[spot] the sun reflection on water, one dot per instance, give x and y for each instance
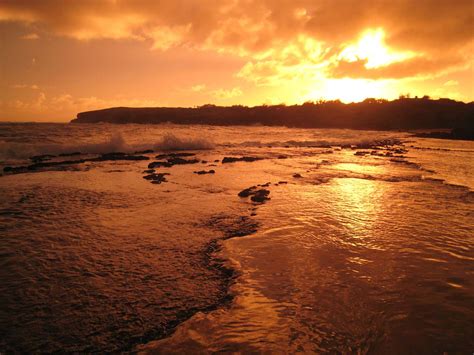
(357, 204)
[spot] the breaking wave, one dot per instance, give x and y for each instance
(114, 143)
(170, 142)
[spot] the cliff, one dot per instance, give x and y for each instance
(401, 114)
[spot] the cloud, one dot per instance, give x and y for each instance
(25, 86)
(252, 25)
(281, 36)
(198, 87)
(451, 83)
(30, 36)
(223, 94)
(66, 104)
(415, 67)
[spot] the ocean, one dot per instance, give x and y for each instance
(362, 241)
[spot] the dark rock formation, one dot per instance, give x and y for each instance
(255, 194)
(297, 176)
(174, 155)
(202, 172)
(52, 164)
(156, 178)
(181, 161)
(457, 133)
(260, 196)
(41, 158)
(173, 159)
(159, 164)
(118, 156)
(69, 154)
(247, 192)
(234, 159)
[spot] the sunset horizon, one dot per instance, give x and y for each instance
(62, 59)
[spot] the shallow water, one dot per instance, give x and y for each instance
(361, 254)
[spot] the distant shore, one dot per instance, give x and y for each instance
(371, 114)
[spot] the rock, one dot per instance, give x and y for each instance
(456, 133)
(159, 164)
(41, 158)
(260, 196)
(202, 172)
(282, 182)
(156, 178)
(149, 171)
(282, 157)
(361, 153)
(15, 169)
(50, 164)
(174, 155)
(256, 195)
(69, 154)
(146, 151)
(181, 161)
(216, 161)
(297, 176)
(234, 159)
(119, 156)
(204, 161)
(247, 192)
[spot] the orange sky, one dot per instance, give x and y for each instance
(60, 57)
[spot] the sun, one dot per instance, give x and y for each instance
(372, 48)
(351, 90)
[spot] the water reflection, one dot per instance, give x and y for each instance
(357, 205)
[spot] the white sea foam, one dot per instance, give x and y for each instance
(114, 143)
(171, 142)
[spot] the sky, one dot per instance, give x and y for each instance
(61, 57)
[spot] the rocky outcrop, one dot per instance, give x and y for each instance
(42, 164)
(173, 160)
(456, 133)
(156, 178)
(256, 194)
(202, 172)
(234, 159)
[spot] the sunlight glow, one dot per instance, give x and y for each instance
(351, 90)
(371, 47)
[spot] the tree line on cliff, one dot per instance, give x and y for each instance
(400, 114)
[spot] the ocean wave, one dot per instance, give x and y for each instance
(114, 143)
(171, 142)
(321, 143)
